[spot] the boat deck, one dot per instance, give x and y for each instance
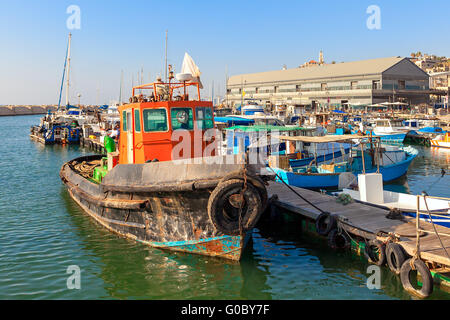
(365, 221)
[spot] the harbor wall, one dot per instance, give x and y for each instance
(25, 110)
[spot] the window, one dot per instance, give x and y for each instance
(182, 118)
(204, 118)
(137, 121)
(155, 120)
(354, 85)
(124, 119)
(376, 84)
(401, 84)
(323, 86)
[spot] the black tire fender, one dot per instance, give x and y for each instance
(257, 182)
(395, 257)
(338, 239)
(225, 216)
(427, 278)
(325, 222)
(378, 259)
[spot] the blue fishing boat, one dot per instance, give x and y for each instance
(392, 164)
(240, 138)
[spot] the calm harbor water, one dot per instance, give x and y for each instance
(43, 232)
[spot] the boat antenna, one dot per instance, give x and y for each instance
(165, 76)
(68, 70)
(62, 81)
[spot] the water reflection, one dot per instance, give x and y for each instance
(132, 270)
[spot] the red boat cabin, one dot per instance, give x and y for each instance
(150, 124)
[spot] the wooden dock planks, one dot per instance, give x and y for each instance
(365, 221)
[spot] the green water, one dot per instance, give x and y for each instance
(42, 232)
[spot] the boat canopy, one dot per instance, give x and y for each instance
(325, 139)
(257, 128)
(234, 120)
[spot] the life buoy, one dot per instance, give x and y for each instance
(338, 239)
(325, 222)
(375, 252)
(225, 204)
(407, 282)
(395, 256)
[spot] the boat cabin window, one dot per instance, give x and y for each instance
(204, 118)
(124, 120)
(382, 124)
(137, 121)
(154, 120)
(182, 118)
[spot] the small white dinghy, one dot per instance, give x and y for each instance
(372, 192)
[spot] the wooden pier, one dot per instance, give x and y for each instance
(369, 222)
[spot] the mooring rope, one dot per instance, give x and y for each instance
(303, 198)
(434, 227)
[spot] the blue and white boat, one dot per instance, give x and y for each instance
(390, 129)
(439, 208)
(392, 163)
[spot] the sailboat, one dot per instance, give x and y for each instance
(63, 126)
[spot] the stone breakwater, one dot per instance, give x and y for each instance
(25, 110)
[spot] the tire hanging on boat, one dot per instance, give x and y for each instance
(377, 257)
(257, 182)
(427, 279)
(233, 207)
(325, 222)
(395, 256)
(338, 239)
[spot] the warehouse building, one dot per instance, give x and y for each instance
(326, 86)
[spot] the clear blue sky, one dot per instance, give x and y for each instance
(243, 36)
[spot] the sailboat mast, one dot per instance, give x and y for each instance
(120, 91)
(68, 70)
(62, 80)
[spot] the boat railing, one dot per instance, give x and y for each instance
(164, 91)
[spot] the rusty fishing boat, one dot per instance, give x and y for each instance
(150, 191)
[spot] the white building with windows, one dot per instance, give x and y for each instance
(335, 85)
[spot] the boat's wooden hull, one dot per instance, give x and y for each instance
(171, 219)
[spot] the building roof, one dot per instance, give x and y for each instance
(364, 67)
